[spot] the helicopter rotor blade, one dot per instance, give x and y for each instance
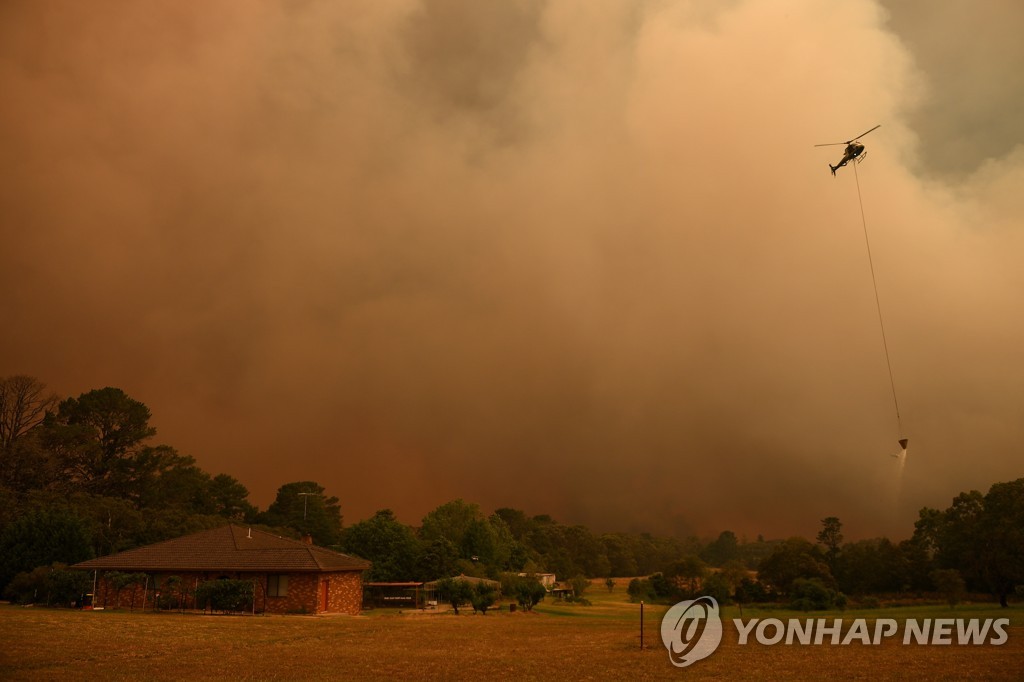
(830, 144)
(866, 132)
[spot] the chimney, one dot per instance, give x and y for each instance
(308, 539)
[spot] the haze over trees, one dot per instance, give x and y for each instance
(24, 403)
(87, 474)
(981, 536)
(82, 477)
(305, 506)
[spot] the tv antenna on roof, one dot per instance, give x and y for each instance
(305, 499)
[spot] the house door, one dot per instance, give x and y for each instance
(327, 594)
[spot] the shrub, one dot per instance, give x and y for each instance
(579, 585)
(484, 596)
(666, 590)
(751, 591)
(811, 594)
(120, 581)
(170, 595)
(640, 589)
(54, 584)
(455, 592)
(718, 587)
(42, 538)
(527, 590)
(225, 595)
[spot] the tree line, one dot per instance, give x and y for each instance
(976, 545)
(81, 477)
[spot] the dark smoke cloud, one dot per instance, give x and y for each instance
(572, 258)
(970, 86)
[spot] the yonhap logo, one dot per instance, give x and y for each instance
(691, 630)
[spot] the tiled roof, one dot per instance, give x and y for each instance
(229, 548)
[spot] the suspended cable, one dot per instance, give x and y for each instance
(878, 305)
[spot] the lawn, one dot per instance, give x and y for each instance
(558, 641)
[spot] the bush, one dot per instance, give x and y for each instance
(120, 581)
(718, 587)
(225, 595)
(811, 594)
(455, 592)
(751, 591)
(171, 594)
(640, 589)
(54, 584)
(484, 596)
(666, 590)
(527, 590)
(42, 538)
(685, 577)
(24, 587)
(579, 585)
(657, 588)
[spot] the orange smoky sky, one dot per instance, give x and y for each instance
(571, 257)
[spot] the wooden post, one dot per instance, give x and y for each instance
(641, 625)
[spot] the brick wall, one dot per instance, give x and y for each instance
(306, 592)
(320, 593)
(171, 594)
(346, 592)
(301, 597)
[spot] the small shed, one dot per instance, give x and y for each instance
(396, 594)
(562, 592)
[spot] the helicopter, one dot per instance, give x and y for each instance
(854, 150)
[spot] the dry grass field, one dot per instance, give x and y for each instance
(558, 642)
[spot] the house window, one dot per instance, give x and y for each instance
(277, 586)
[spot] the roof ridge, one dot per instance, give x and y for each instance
(313, 555)
(298, 543)
(222, 548)
(234, 540)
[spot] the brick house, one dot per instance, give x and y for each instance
(289, 576)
